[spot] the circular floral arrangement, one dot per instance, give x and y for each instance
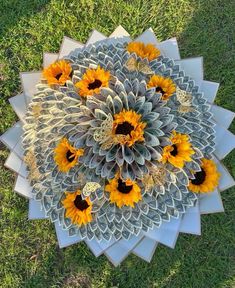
(118, 140)
(121, 139)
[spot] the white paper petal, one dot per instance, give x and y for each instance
(145, 249)
(23, 171)
(22, 187)
(18, 149)
(167, 233)
(119, 32)
(12, 136)
(95, 36)
(210, 90)
(148, 37)
(116, 254)
(225, 142)
(169, 48)
(35, 210)
(13, 162)
(105, 245)
(63, 238)
(226, 180)
(132, 242)
(49, 58)
(19, 105)
(94, 247)
(191, 221)
(192, 67)
(29, 81)
(68, 45)
(222, 116)
(210, 203)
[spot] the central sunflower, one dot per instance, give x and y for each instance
(207, 179)
(123, 192)
(77, 209)
(163, 85)
(142, 50)
(179, 152)
(66, 155)
(128, 123)
(92, 81)
(58, 72)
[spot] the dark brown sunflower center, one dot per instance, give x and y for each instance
(123, 188)
(174, 152)
(96, 84)
(159, 90)
(70, 156)
(58, 76)
(199, 177)
(124, 128)
(80, 204)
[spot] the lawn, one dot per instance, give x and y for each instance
(29, 253)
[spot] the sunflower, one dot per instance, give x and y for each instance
(128, 123)
(58, 72)
(92, 81)
(179, 152)
(77, 209)
(163, 85)
(142, 50)
(207, 179)
(66, 156)
(123, 192)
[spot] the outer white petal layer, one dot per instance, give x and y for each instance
(119, 32)
(211, 202)
(12, 136)
(29, 81)
(94, 247)
(210, 90)
(169, 48)
(19, 105)
(222, 116)
(22, 187)
(95, 37)
(145, 249)
(148, 37)
(192, 67)
(13, 162)
(191, 221)
(225, 142)
(116, 253)
(35, 210)
(49, 58)
(63, 238)
(226, 180)
(167, 233)
(68, 45)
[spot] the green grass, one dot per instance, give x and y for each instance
(29, 254)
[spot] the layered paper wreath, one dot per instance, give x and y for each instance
(119, 144)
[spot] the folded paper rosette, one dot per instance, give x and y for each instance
(119, 144)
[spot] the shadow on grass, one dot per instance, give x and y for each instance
(12, 11)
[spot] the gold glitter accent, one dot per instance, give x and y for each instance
(155, 177)
(30, 161)
(89, 188)
(185, 99)
(133, 65)
(36, 109)
(104, 135)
